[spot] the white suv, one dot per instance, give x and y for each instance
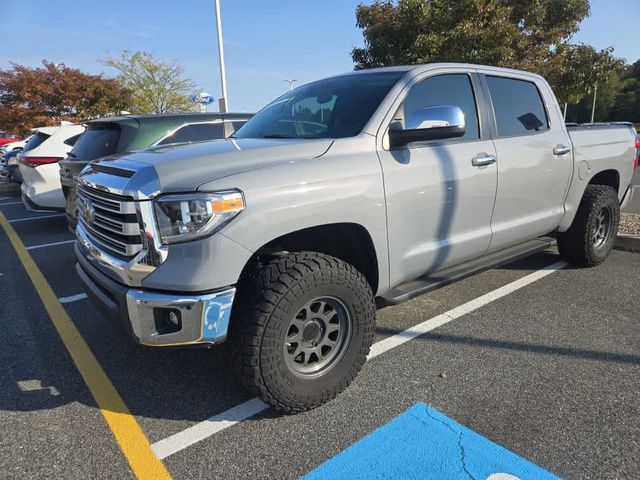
(41, 190)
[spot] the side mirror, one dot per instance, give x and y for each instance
(430, 123)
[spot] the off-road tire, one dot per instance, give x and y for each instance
(576, 245)
(267, 301)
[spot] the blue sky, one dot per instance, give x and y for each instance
(265, 41)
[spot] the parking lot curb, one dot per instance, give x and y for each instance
(629, 243)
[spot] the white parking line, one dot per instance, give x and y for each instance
(73, 298)
(181, 440)
(11, 203)
(35, 218)
(205, 429)
(33, 247)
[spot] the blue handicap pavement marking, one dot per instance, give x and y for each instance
(422, 443)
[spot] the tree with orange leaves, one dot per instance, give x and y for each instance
(50, 93)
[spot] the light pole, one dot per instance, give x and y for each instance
(593, 107)
(291, 82)
(222, 101)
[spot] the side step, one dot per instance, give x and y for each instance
(432, 281)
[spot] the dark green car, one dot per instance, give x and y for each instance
(107, 136)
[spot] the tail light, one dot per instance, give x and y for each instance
(37, 161)
(637, 160)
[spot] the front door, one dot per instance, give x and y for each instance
(439, 204)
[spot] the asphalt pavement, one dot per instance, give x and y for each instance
(549, 371)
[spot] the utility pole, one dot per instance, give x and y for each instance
(593, 108)
(222, 101)
(291, 82)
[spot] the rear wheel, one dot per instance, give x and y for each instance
(303, 328)
(589, 240)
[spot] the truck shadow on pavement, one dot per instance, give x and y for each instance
(584, 354)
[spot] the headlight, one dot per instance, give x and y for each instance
(185, 217)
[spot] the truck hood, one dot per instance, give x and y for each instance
(185, 167)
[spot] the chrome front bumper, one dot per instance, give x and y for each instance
(202, 318)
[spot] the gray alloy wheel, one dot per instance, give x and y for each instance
(589, 240)
(302, 330)
(603, 227)
(317, 336)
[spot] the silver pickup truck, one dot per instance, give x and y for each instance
(341, 196)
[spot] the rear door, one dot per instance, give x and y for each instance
(534, 158)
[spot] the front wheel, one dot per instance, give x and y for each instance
(303, 330)
(589, 240)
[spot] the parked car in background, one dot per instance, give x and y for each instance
(107, 136)
(352, 192)
(9, 167)
(38, 164)
(17, 145)
(9, 162)
(7, 137)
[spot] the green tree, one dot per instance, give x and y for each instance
(607, 93)
(156, 86)
(627, 103)
(45, 95)
(530, 35)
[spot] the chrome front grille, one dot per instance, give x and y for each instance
(110, 221)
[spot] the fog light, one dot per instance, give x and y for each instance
(167, 320)
(173, 318)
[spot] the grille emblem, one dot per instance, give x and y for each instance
(88, 211)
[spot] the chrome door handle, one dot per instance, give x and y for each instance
(483, 160)
(561, 150)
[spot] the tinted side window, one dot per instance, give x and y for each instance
(452, 89)
(195, 133)
(237, 124)
(518, 106)
(36, 141)
(71, 141)
(97, 141)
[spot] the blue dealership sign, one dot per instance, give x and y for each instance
(421, 444)
(203, 98)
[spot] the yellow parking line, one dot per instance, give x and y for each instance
(130, 437)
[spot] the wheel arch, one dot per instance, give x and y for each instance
(350, 242)
(609, 177)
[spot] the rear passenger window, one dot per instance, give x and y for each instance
(72, 140)
(196, 132)
(518, 106)
(453, 90)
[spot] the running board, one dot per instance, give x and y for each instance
(413, 288)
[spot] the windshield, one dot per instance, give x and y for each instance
(333, 108)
